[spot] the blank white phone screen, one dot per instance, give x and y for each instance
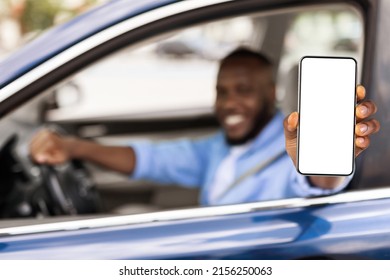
(326, 116)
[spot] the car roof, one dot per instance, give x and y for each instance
(63, 36)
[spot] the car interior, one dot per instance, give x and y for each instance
(158, 90)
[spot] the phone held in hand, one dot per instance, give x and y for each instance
(326, 104)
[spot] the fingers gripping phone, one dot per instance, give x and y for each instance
(326, 104)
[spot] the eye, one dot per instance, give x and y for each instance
(242, 89)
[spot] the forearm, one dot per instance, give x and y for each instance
(326, 183)
(120, 159)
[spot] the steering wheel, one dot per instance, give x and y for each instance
(69, 186)
(70, 189)
(62, 190)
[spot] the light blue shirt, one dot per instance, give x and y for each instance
(193, 163)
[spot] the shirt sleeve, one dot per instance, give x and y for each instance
(180, 162)
(303, 188)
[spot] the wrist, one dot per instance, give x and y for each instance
(73, 147)
(324, 182)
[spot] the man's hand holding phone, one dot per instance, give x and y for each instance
(365, 127)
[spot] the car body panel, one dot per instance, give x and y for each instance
(274, 234)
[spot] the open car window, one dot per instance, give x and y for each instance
(164, 89)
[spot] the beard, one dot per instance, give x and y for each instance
(261, 120)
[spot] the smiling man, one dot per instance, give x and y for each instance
(251, 159)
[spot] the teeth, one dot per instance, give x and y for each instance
(234, 119)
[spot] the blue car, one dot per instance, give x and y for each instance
(146, 69)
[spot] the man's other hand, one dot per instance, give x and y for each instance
(48, 147)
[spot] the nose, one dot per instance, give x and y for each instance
(230, 101)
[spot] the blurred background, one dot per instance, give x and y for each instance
(22, 20)
(185, 61)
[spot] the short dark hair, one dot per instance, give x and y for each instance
(243, 52)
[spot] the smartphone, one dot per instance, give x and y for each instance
(326, 105)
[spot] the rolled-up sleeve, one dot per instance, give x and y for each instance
(143, 155)
(180, 162)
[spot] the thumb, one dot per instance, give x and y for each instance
(40, 158)
(290, 126)
(290, 132)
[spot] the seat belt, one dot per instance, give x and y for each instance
(257, 168)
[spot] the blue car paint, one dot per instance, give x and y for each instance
(274, 234)
(62, 37)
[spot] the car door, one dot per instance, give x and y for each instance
(338, 227)
(316, 227)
